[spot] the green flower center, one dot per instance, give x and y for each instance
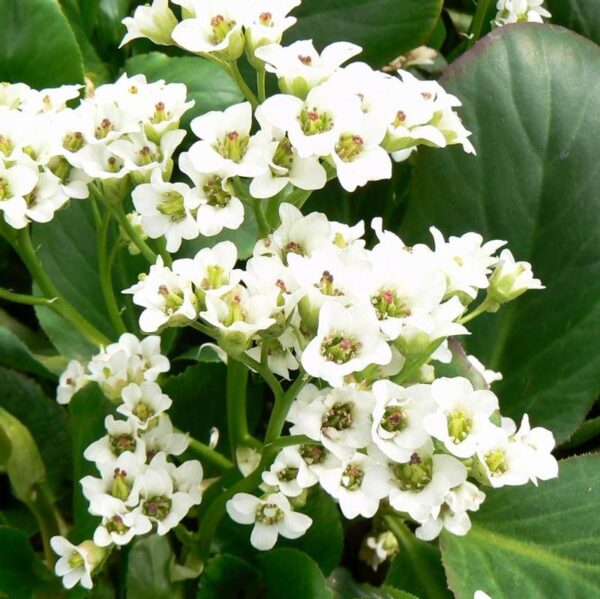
(215, 277)
(459, 426)
(233, 146)
(115, 524)
(5, 192)
(352, 477)
(120, 488)
(214, 192)
(147, 156)
(113, 165)
(122, 443)
(288, 474)
(326, 286)
(160, 114)
(339, 348)
(103, 129)
(496, 462)
(415, 475)
(173, 300)
(73, 142)
(338, 417)
(393, 420)
(284, 154)
(172, 205)
(349, 147)
(313, 454)
(157, 507)
(313, 122)
(388, 304)
(220, 29)
(6, 145)
(143, 411)
(269, 513)
(236, 312)
(76, 560)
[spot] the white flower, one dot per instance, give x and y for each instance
(110, 371)
(422, 484)
(226, 144)
(299, 67)
(215, 28)
(462, 419)
(489, 376)
(518, 11)
(76, 562)
(314, 125)
(113, 528)
(166, 297)
(155, 22)
(280, 357)
(271, 517)
(104, 121)
(219, 207)
(122, 436)
(511, 279)
(381, 548)
(16, 182)
(347, 341)
(162, 438)
(159, 503)
(71, 380)
(143, 403)
(267, 20)
(538, 443)
(357, 484)
(465, 261)
(166, 210)
(397, 427)
(338, 418)
(452, 515)
(481, 595)
(290, 473)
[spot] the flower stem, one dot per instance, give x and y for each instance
(483, 307)
(133, 235)
(237, 379)
(233, 69)
(478, 22)
(282, 407)
(21, 298)
(260, 84)
(104, 267)
(24, 247)
(261, 219)
(208, 454)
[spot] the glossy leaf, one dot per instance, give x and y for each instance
(530, 96)
(38, 46)
(17, 564)
(582, 16)
(292, 574)
(44, 419)
(14, 353)
(148, 570)
(228, 576)
(533, 542)
(345, 587)
(384, 28)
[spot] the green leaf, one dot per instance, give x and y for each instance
(18, 576)
(533, 542)
(228, 576)
(292, 574)
(208, 85)
(38, 46)
(417, 567)
(21, 458)
(384, 28)
(324, 540)
(534, 183)
(15, 354)
(110, 15)
(87, 410)
(67, 250)
(44, 419)
(583, 16)
(345, 587)
(148, 570)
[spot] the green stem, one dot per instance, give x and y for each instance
(23, 246)
(133, 235)
(483, 307)
(162, 250)
(266, 374)
(48, 519)
(105, 271)
(298, 197)
(237, 423)
(282, 407)
(261, 219)
(208, 454)
(260, 84)
(478, 22)
(30, 300)
(233, 69)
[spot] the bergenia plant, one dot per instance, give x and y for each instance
(277, 282)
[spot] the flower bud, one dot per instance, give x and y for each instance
(511, 279)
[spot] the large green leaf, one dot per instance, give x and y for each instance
(44, 419)
(15, 354)
(148, 570)
(345, 587)
(207, 84)
(533, 542)
(18, 576)
(384, 28)
(38, 46)
(292, 574)
(530, 95)
(87, 409)
(582, 16)
(67, 250)
(228, 576)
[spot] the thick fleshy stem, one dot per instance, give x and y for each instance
(483, 7)
(282, 407)
(209, 455)
(237, 422)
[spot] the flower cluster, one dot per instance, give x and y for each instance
(371, 325)
(50, 153)
(520, 11)
(139, 489)
(328, 121)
